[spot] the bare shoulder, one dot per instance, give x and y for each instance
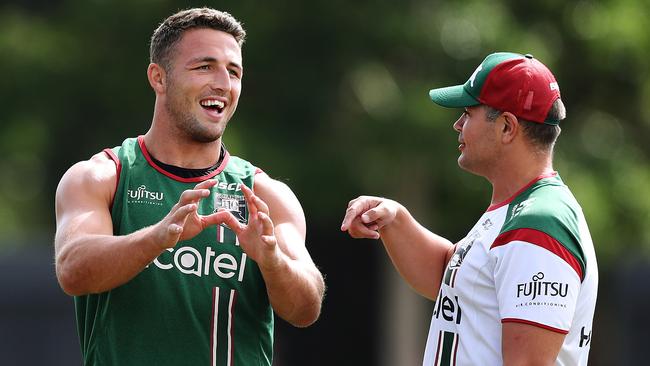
(96, 177)
(267, 186)
(283, 203)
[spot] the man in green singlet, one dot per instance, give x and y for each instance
(176, 252)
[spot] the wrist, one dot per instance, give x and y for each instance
(274, 261)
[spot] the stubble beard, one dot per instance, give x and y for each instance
(187, 125)
(478, 166)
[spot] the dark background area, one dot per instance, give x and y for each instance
(335, 104)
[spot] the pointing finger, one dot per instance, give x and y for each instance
(267, 224)
(206, 184)
(193, 195)
(350, 214)
(181, 214)
(261, 205)
(250, 201)
(251, 196)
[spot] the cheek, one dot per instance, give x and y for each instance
(235, 92)
(235, 87)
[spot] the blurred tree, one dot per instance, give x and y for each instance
(336, 85)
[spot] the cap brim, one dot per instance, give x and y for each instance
(452, 97)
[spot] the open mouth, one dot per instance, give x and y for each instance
(213, 105)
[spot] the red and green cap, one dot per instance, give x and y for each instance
(508, 82)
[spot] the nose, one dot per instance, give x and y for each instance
(460, 122)
(220, 80)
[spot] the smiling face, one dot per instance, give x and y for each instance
(203, 83)
(478, 141)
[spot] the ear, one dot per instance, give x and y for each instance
(157, 78)
(510, 127)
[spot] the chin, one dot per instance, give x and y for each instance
(205, 136)
(463, 165)
(205, 133)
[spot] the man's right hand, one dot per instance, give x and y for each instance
(366, 215)
(418, 254)
(183, 221)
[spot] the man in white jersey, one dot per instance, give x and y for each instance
(520, 288)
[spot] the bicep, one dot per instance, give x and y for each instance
(526, 344)
(286, 213)
(83, 200)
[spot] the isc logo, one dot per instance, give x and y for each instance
(229, 186)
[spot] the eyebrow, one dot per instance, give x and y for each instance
(211, 59)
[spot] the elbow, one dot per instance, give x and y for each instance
(69, 285)
(70, 279)
(306, 317)
(309, 313)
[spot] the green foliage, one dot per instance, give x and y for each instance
(335, 101)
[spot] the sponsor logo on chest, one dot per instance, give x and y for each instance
(448, 308)
(142, 195)
(190, 261)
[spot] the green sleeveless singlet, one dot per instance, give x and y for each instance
(201, 303)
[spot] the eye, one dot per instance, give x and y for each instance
(234, 73)
(202, 67)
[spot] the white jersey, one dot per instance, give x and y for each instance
(528, 260)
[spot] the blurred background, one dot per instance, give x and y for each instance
(335, 104)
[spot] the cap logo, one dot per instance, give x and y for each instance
(471, 78)
(554, 86)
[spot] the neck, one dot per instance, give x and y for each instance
(182, 152)
(516, 174)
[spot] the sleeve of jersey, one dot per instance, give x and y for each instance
(537, 279)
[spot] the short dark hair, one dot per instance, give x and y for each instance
(170, 31)
(542, 135)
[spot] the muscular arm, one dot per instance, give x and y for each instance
(419, 255)
(524, 344)
(295, 285)
(275, 239)
(89, 258)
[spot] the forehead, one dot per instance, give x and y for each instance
(475, 108)
(205, 42)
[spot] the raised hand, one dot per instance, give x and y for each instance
(257, 238)
(365, 215)
(183, 221)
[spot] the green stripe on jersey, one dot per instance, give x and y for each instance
(447, 355)
(548, 206)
